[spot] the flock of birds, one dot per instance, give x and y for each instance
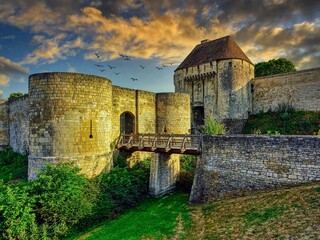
(102, 67)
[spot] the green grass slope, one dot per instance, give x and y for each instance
(291, 213)
(152, 219)
(287, 123)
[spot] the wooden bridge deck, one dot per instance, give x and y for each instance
(166, 143)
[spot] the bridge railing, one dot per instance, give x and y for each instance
(172, 143)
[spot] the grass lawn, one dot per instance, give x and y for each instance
(152, 219)
(290, 213)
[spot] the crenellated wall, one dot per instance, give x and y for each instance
(300, 89)
(231, 165)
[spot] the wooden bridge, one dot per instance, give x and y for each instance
(165, 143)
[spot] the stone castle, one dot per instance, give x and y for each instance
(78, 117)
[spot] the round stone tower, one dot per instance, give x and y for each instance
(173, 113)
(70, 120)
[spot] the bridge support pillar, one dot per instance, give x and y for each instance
(164, 172)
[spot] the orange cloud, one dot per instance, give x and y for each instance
(4, 80)
(167, 30)
(169, 36)
(51, 50)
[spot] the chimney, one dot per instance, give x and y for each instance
(204, 41)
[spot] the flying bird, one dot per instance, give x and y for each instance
(111, 66)
(134, 79)
(127, 58)
(102, 70)
(97, 55)
(164, 66)
(99, 65)
(159, 68)
(124, 56)
(142, 67)
(116, 73)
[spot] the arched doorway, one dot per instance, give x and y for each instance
(127, 123)
(198, 117)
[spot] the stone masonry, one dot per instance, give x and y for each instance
(230, 165)
(300, 89)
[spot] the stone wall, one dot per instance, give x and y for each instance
(4, 125)
(70, 120)
(233, 164)
(141, 104)
(301, 89)
(19, 124)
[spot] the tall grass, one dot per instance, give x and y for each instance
(214, 127)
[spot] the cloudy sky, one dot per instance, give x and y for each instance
(76, 36)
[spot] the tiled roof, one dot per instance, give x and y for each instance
(222, 48)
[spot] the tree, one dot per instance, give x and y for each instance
(16, 95)
(274, 66)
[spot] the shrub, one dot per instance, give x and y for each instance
(119, 161)
(13, 165)
(286, 123)
(17, 217)
(61, 200)
(214, 127)
(16, 95)
(125, 186)
(63, 197)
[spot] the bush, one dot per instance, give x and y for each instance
(16, 95)
(214, 127)
(125, 186)
(285, 121)
(121, 188)
(119, 161)
(61, 200)
(17, 217)
(13, 165)
(63, 197)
